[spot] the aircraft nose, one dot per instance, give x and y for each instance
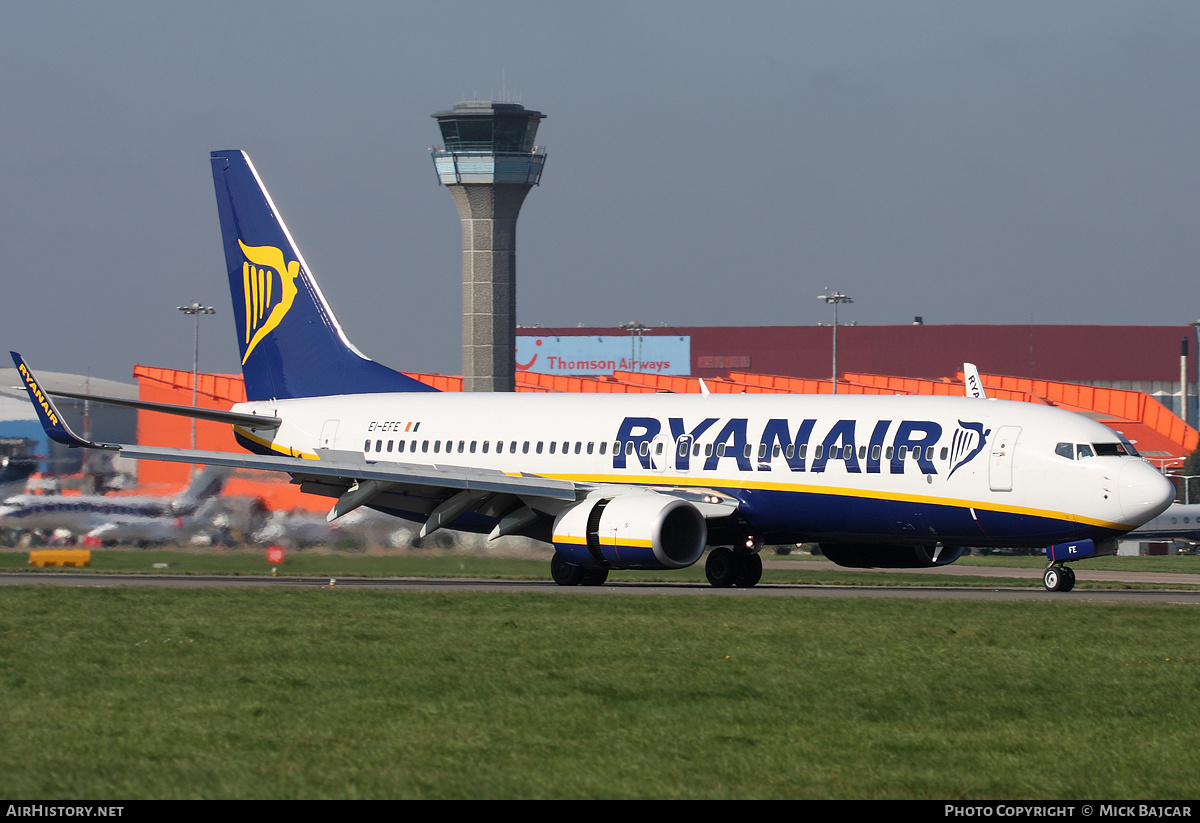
(1143, 491)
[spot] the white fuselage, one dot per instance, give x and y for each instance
(892, 468)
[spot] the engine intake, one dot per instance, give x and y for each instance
(632, 530)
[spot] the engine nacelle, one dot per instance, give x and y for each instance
(631, 530)
(890, 557)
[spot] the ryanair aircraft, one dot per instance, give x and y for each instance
(644, 481)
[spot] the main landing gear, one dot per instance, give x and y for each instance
(568, 574)
(726, 567)
(1058, 578)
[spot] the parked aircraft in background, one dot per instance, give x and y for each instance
(1180, 521)
(14, 473)
(644, 481)
(119, 517)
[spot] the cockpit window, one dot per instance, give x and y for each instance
(1073, 451)
(1129, 449)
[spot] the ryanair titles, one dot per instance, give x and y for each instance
(875, 447)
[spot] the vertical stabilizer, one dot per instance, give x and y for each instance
(206, 484)
(973, 382)
(290, 341)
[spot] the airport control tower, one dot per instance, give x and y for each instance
(489, 163)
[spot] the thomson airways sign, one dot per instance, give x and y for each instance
(580, 356)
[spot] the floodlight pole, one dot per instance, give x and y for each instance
(635, 334)
(835, 298)
(195, 310)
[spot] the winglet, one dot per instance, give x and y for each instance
(973, 382)
(50, 418)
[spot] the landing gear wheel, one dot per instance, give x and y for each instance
(594, 577)
(721, 568)
(1068, 579)
(749, 570)
(1053, 578)
(564, 573)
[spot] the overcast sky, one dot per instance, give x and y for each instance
(708, 164)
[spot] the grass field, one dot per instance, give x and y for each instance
(129, 693)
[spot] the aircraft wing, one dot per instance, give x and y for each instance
(438, 492)
(352, 465)
(441, 492)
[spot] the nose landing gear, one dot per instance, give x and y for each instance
(1058, 578)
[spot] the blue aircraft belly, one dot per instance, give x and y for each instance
(810, 515)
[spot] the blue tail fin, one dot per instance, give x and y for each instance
(291, 344)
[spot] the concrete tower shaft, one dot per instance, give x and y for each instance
(489, 164)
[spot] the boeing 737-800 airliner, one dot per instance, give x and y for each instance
(644, 481)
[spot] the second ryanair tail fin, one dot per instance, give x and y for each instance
(290, 341)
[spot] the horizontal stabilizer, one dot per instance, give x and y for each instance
(253, 421)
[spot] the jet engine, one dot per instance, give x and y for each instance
(890, 557)
(631, 530)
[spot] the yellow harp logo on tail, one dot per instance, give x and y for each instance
(267, 301)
